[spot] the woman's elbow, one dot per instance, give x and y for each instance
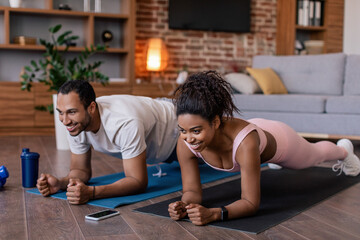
(253, 207)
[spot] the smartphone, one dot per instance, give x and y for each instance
(101, 215)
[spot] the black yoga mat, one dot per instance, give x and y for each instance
(284, 194)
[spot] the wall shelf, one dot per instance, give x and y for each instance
(34, 20)
(71, 49)
(89, 26)
(49, 12)
(310, 28)
(331, 30)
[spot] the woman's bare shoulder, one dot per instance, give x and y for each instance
(233, 126)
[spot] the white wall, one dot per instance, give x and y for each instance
(351, 44)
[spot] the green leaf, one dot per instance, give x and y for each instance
(55, 29)
(34, 64)
(61, 39)
(25, 76)
(100, 48)
(97, 64)
(41, 108)
(42, 42)
(72, 38)
(27, 68)
(50, 108)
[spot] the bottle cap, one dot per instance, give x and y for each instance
(29, 155)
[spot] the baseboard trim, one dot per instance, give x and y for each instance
(27, 131)
(328, 136)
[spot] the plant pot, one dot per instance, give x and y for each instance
(15, 3)
(60, 130)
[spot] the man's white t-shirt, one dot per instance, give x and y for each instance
(129, 126)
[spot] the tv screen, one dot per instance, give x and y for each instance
(210, 15)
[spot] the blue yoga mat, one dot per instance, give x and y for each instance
(157, 186)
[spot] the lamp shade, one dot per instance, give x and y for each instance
(156, 55)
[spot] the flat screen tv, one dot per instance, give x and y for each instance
(210, 15)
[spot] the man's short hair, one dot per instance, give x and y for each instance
(82, 88)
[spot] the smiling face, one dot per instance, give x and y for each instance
(197, 131)
(73, 114)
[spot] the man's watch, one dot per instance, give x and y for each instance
(224, 213)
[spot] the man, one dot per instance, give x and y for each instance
(139, 130)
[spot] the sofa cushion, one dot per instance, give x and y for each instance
(343, 104)
(331, 123)
(268, 80)
(315, 74)
(352, 75)
(242, 83)
(281, 103)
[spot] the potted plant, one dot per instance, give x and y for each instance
(54, 69)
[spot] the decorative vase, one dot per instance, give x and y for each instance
(15, 3)
(60, 130)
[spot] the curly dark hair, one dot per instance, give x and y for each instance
(206, 94)
(82, 88)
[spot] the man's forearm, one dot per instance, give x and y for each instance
(75, 174)
(123, 187)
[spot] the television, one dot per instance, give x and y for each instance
(210, 15)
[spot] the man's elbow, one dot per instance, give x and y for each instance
(140, 186)
(143, 186)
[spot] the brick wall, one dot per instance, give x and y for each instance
(203, 50)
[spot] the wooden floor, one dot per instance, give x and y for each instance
(29, 216)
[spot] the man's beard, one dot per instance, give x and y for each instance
(85, 124)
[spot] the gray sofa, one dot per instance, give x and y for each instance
(323, 94)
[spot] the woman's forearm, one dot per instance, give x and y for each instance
(191, 197)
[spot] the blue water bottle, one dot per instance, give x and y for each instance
(30, 167)
(4, 174)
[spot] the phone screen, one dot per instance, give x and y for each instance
(102, 214)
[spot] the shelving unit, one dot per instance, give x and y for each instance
(331, 32)
(34, 19)
(35, 22)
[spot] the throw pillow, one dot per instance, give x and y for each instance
(268, 80)
(242, 83)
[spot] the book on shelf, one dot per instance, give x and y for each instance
(309, 12)
(318, 8)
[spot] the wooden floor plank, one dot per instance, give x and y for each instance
(50, 218)
(58, 160)
(96, 229)
(314, 229)
(153, 227)
(103, 164)
(336, 218)
(347, 200)
(278, 232)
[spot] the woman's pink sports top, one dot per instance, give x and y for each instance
(238, 139)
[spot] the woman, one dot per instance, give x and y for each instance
(204, 109)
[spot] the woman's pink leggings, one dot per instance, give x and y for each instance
(295, 152)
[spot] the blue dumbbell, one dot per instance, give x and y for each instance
(4, 174)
